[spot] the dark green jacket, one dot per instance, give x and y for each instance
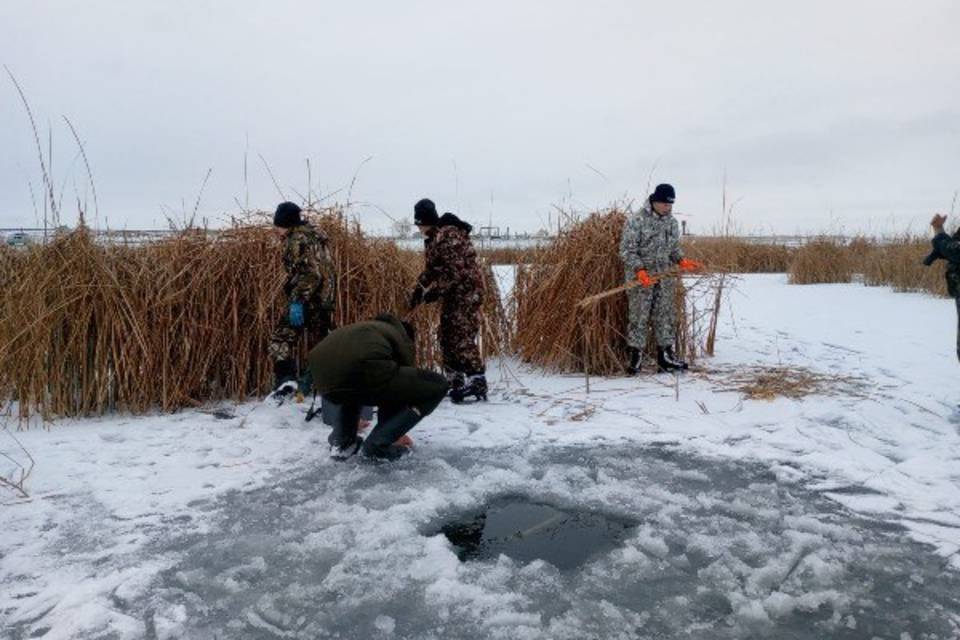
(360, 356)
(949, 248)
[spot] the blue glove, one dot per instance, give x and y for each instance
(296, 314)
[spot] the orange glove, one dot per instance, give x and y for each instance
(688, 265)
(644, 279)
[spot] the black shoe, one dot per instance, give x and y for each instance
(379, 442)
(667, 362)
(633, 365)
(283, 392)
(342, 453)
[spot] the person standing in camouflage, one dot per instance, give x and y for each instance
(948, 248)
(310, 290)
(649, 248)
(452, 275)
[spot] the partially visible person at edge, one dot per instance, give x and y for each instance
(371, 363)
(310, 290)
(452, 276)
(649, 247)
(949, 249)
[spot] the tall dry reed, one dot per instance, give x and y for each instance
(820, 261)
(87, 328)
(737, 255)
(899, 264)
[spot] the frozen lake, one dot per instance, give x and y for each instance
(835, 515)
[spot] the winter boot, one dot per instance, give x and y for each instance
(343, 438)
(667, 362)
(380, 443)
(342, 453)
(284, 381)
(476, 387)
(633, 364)
(456, 380)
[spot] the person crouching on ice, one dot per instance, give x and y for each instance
(452, 275)
(649, 247)
(371, 363)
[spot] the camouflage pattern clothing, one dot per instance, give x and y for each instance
(949, 248)
(652, 242)
(452, 275)
(310, 280)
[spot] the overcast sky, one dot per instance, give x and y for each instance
(825, 116)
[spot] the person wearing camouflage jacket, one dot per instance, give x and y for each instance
(948, 248)
(452, 275)
(649, 248)
(310, 290)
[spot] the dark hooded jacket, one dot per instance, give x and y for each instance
(949, 248)
(451, 267)
(361, 356)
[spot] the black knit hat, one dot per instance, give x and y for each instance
(287, 215)
(663, 193)
(425, 213)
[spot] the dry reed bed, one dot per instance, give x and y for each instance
(86, 328)
(554, 333)
(899, 264)
(822, 260)
(736, 255)
(895, 262)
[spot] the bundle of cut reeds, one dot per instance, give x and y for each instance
(87, 328)
(554, 332)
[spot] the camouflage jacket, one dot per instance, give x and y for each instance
(949, 248)
(310, 275)
(451, 261)
(649, 241)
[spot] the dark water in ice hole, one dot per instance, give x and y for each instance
(685, 590)
(527, 531)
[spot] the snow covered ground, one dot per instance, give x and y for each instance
(832, 516)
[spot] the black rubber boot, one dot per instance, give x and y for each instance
(284, 371)
(379, 444)
(343, 438)
(458, 386)
(633, 364)
(284, 381)
(667, 362)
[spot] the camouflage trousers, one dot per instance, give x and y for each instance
(285, 340)
(458, 332)
(655, 305)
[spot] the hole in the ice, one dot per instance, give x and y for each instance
(527, 531)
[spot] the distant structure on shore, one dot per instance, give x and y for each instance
(487, 237)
